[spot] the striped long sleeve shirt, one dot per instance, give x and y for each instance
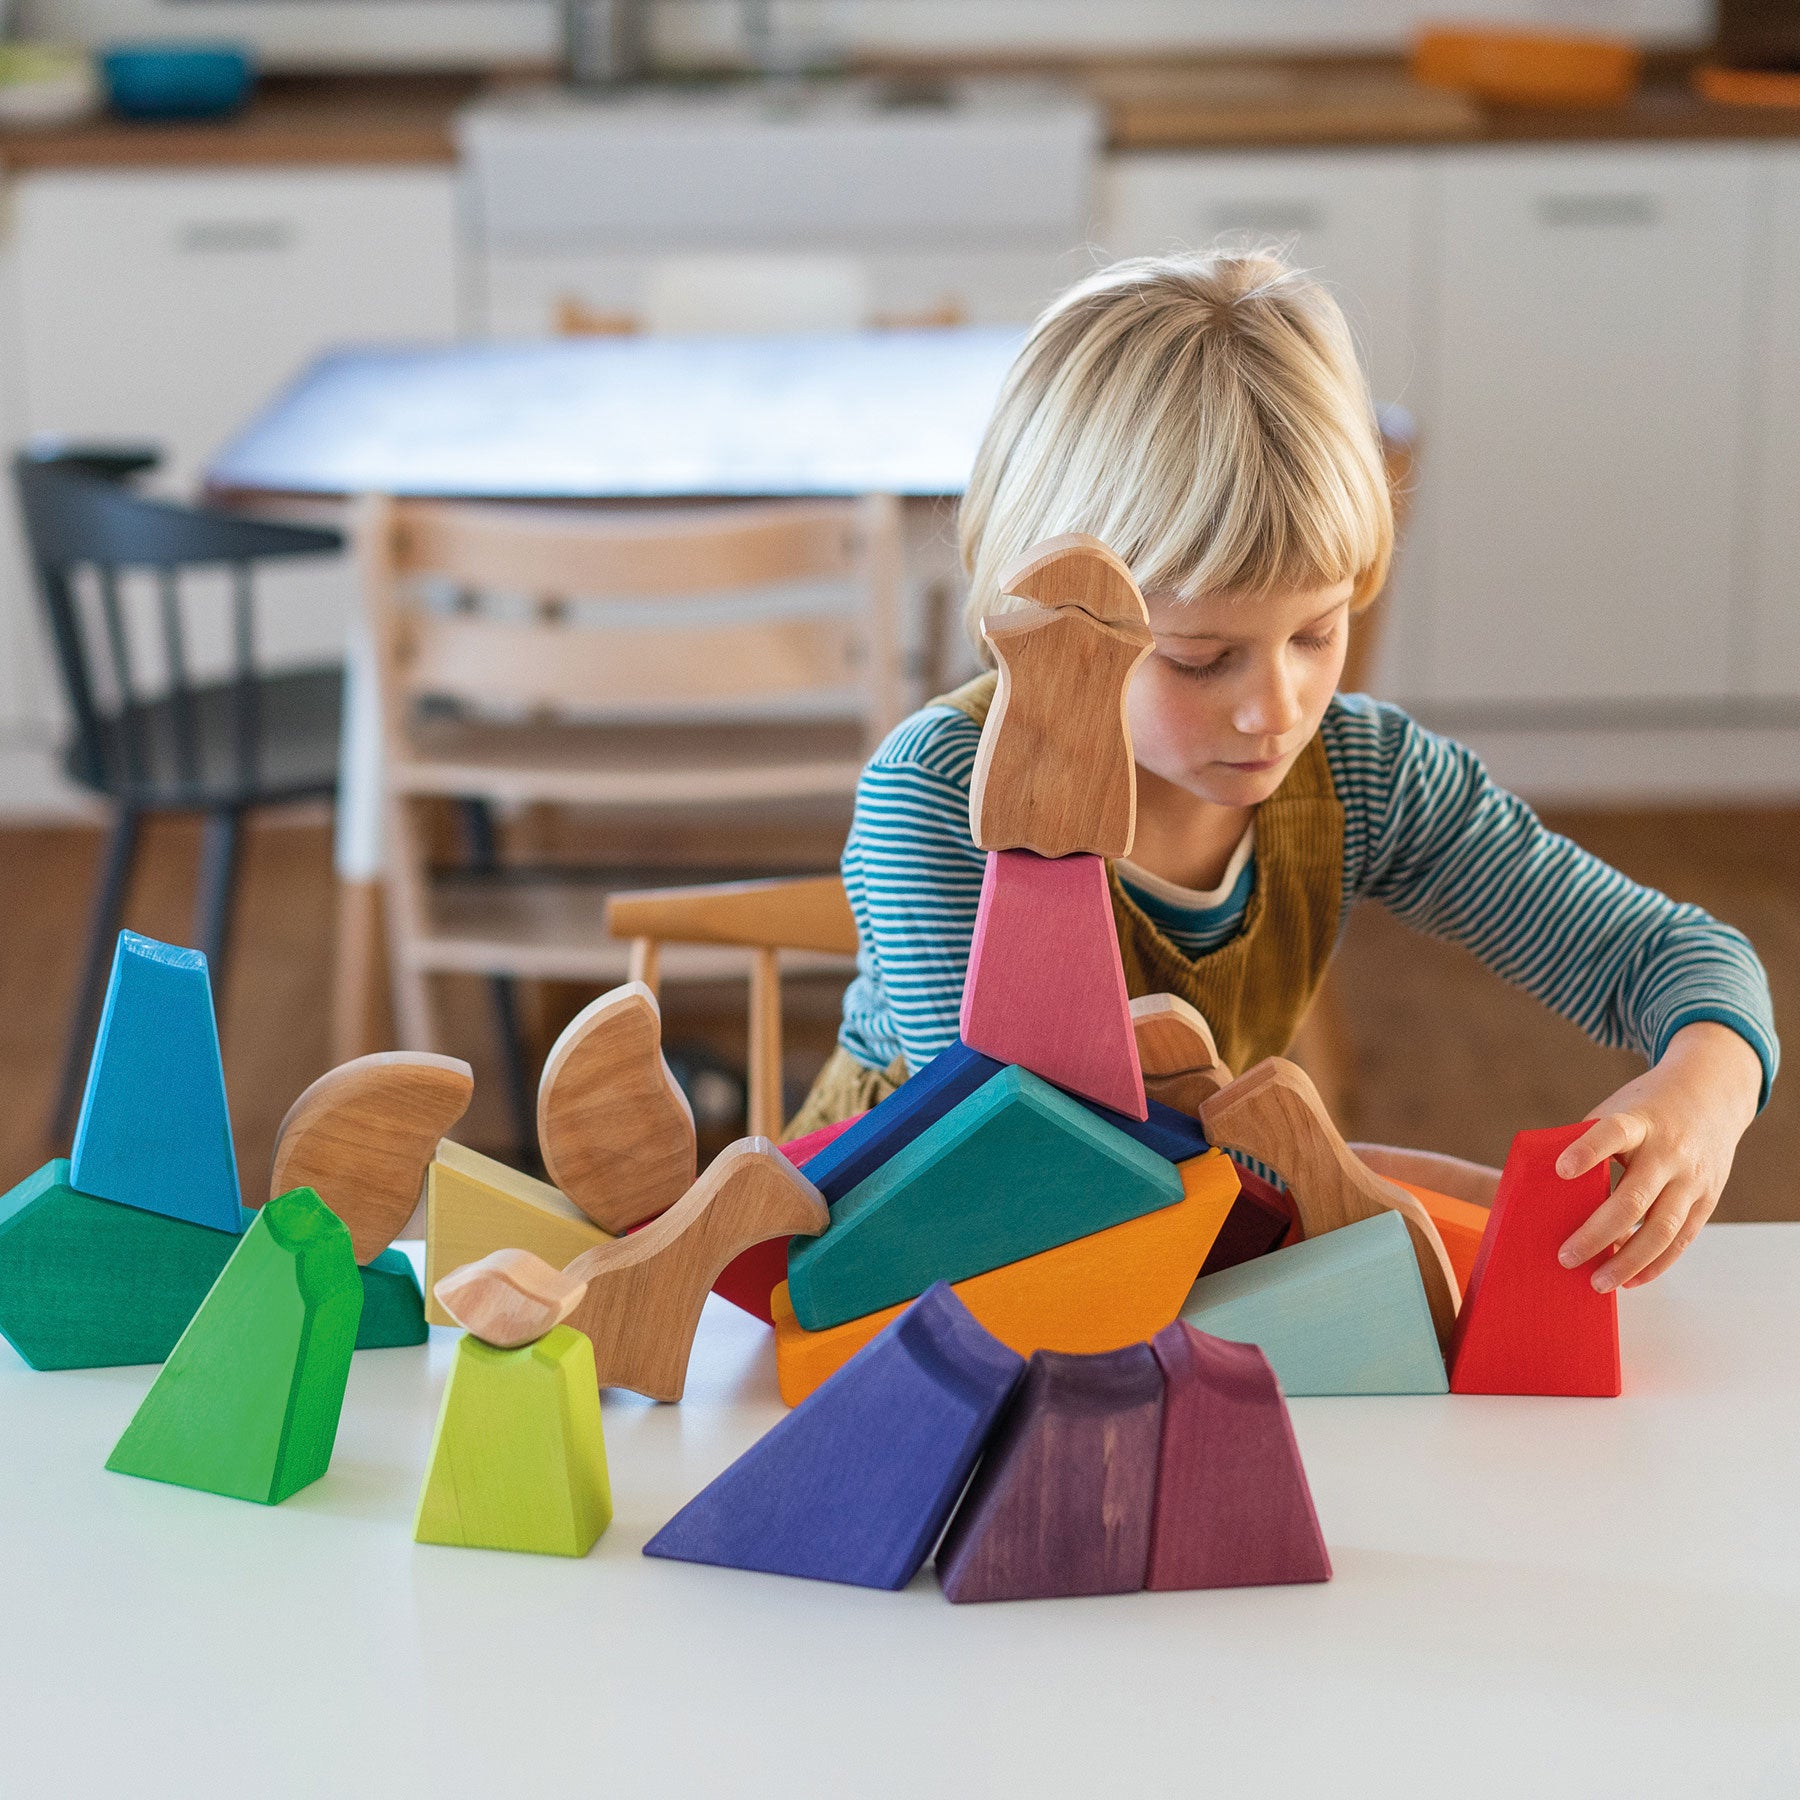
(1427, 834)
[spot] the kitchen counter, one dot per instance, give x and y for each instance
(1191, 103)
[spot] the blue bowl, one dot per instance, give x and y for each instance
(177, 81)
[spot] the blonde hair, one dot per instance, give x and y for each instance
(1205, 417)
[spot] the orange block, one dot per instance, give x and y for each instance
(1460, 1224)
(1099, 1292)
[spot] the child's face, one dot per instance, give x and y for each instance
(1235, 688)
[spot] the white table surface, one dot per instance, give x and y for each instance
(1532, 1598)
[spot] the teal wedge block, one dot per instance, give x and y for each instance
(1016, 1168)
(1344, 1313)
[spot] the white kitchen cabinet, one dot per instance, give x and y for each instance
(1772, 641)
(1351, 218)
(1584, 461)
(167, 306)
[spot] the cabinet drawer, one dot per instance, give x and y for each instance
(1773, 638)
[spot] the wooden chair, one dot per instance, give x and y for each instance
(809, 916)
(642, 665)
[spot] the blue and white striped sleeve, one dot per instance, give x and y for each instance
(1430, 836)
(913, 875)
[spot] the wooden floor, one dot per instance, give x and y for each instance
(1448, 1057)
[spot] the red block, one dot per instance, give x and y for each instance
(749, 1279)
(1528, 1325)
(1045, 987)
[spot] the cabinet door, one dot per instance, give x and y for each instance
(1581, 444)
(1351, 219)
(1774, 564)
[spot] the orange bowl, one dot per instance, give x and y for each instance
(1527, 68)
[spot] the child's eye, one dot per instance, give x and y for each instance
(1198, 671)
(1322, 641)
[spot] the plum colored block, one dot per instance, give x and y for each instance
(1233, 1508)
(1016, 1168)
(1063, 1500)
(1528, 1325)
(154, 1131)
(855, 1484)
(914, 1107)
(1045, 987)
(1344, 1313)
(1257, 1224)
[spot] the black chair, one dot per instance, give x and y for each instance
(217, 747)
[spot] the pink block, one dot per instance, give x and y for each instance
(1045, 987)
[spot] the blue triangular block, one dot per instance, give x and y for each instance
(1169, 1134)
(1342, 1313)
(154, 1130)
(855, 1484)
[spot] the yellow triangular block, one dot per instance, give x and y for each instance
(475, 1206)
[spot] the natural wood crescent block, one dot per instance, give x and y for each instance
(1275, 1115)
(1054, 771)
(1530, 1326)
(475, 1206)
(1099, 1292)
(363, 1134)
(615, 1130)
(1176, 1052)
(1045, 987)
(509, 1298)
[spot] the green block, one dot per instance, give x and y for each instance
(247, 1404)
(393, 1307)
(1016, 1168)
(92, 1284)
(1344, 1313)
(519, 1461)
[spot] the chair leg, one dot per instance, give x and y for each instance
(219, 846)
(483, 847)
(103, 928)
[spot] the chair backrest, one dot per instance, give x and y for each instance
(489, 606)
(85, 529)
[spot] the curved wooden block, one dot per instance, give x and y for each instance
(1450, 1176)
(1460, 1223)
(616, 1132)
(1054, 772)
(1176, 1051)
(1078, 570)
(645, 1292)
(1274, 1114)
(362, 1136)
(509, 1298)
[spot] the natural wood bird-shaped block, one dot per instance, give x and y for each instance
(1274, 1114)
(1177, 1053)
(615, 1131)
(638, 1298)
(362, 1136)
(1054, 772)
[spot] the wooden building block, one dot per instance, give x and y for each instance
(1099, 1292)
(1045, 987)
(393, 1310)
(154, 1129)
(1460, 1223)
(362, 1136)
(518, 1461)
(752, 1275)
(1063, 1500)
(510, 1298)
(247, 1404)
(1530, 1326)
(1452, 1176)
(615, 1130)
(856, 1484)
(1176, 1052)
(1274, 1114)
(1054, 772)
(475, 1205)
(1233, 1508)
(1340, 1314)
(1014, 1169)
(1257, 1224)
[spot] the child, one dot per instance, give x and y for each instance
(1207, 420)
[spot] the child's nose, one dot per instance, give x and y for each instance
(1271, 707)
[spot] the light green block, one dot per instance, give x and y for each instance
(247, 1404)
(519, 1459)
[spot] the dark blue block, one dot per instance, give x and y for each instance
(856, 1482)
(1168, 1133)
(913, 1107)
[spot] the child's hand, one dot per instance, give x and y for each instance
(1675, 1130)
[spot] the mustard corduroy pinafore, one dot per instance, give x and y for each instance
(1253, 991)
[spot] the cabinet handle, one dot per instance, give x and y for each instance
(1273, 216)
(208, 236)
(1602, 210)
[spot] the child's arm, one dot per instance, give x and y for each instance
(1430, 836)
